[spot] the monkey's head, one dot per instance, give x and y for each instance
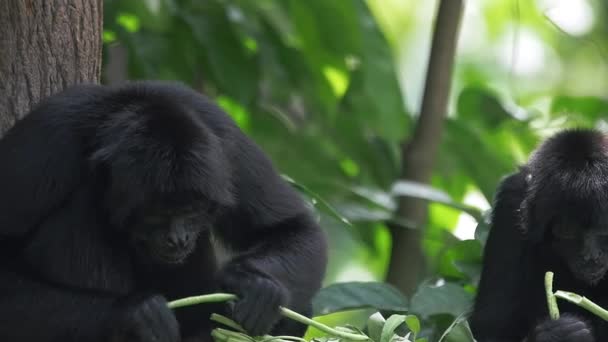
(165, 174)
(566, 203)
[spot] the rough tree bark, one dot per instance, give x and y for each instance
(46, 46)
(407, 261)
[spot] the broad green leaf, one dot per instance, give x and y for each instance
(446, 298)
(357, 295)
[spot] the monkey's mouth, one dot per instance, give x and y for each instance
(173, 258)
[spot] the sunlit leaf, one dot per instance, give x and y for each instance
(128, 21)
(413, 323)
(109, 36)
(235, 110)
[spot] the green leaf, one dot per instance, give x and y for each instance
(236, 111)
(355, 212)
(357, 295)
(375, 323)
(128, 21)
(413, 323)
(446, 298)
(109, 36)
(235, 71)
(392, 323)
(376, 196)
(318, 199)
(462, 260)
(479, 105)
(497, 148)
(483, 227)
(379, 113)
(585, 108)
(427, 192)
(458, 331)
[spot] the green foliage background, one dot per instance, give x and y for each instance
(330, 89)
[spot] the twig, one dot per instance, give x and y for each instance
(551, 302)
(210, 298)
(584, 303)
(324, 328)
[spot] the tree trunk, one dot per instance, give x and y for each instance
(46, 46)
(419, 155)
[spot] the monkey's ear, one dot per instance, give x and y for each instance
(41, 165)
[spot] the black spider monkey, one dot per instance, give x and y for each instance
(109, 200)
(551, 215)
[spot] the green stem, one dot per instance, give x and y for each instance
(227, 322)
(283, 338)
(551, 301)
(226, 335)
(584, 303)
(210, 298)
(222, 297)
(324, 328)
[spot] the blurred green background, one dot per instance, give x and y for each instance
(331, 91)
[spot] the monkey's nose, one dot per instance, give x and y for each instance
(178, 241)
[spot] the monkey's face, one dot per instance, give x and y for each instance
(584, 251)
(168, 236)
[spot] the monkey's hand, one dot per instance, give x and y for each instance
(259, 296)
(141, 319)
(567, 328)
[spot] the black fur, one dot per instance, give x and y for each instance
(78, 173)
(552, 215)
